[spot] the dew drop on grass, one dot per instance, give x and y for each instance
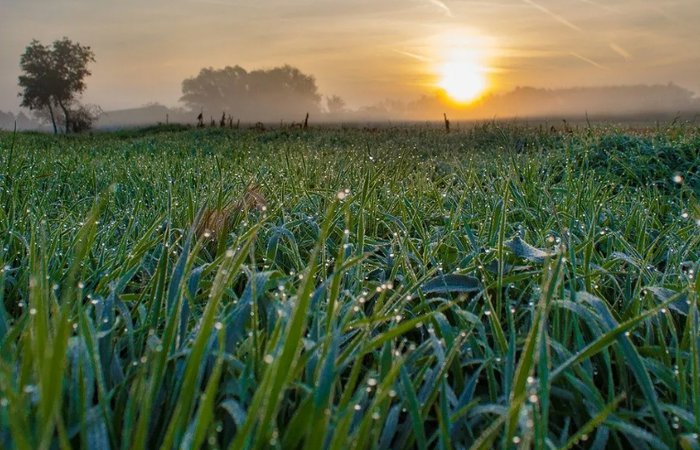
(268, 359)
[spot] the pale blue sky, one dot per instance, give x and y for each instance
(363, 50)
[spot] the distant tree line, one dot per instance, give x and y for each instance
(53, 79)
(284, 92)
(8, 121)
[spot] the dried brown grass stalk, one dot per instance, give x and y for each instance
(214, 223)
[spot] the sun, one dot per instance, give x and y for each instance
(461, 65)
(463, 80)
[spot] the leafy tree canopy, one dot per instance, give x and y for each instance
(53, 76)
(280, 93)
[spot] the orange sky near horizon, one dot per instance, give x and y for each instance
(362, 50)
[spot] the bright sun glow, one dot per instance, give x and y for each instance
(462, 71)
(463, 80)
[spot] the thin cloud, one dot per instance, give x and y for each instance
(620, 51)
(214, 2)
(553, 15)
(599, 5)
(413, 55)
(588, 60)
(441, 6)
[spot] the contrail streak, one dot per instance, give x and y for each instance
(620, 51)
(413, 55)
(588, 60)
(442, 6)
(553, 15)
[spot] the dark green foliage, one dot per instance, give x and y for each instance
(52, 77)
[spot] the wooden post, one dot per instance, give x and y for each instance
(306, 121)
(447, 123)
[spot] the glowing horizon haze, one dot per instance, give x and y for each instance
(362, 50)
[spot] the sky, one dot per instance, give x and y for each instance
(362, 50)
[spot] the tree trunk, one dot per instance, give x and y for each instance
(65, 115)
(53, 119)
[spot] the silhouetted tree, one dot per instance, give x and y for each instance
(53, 76)
(335, 104)
(282, 91)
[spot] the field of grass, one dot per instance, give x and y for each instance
(497, 287)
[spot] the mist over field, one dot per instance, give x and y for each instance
(643, 103)
(387, 60)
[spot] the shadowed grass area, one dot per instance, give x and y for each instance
(502, 286)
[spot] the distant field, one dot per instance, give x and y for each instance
(500, 286)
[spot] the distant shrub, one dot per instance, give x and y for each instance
(83, 118)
